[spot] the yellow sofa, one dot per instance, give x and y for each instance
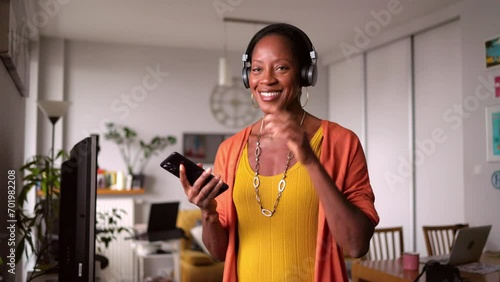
(196, 265)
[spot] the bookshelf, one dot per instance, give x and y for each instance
(107, 191)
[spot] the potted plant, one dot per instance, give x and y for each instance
(135, 152)
(108, 227)
(37, 228)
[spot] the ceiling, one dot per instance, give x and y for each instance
(199, 24)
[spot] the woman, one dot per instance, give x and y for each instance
(299, 195)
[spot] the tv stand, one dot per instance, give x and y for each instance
(152, 264)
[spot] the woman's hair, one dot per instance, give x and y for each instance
(299, 42)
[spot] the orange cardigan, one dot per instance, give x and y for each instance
(342, 157)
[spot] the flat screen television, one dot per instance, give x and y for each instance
(77, 214)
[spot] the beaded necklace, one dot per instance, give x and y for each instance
(256, 179)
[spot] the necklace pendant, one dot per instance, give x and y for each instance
(281, 185)
(266, 212)
(256, 182)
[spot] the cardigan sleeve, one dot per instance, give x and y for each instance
(345, 161)
(358, 189)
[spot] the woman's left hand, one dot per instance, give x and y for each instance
(286, 125)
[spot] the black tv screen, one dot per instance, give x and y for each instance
(77, 212)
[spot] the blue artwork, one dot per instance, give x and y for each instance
(492, 52)
(495, 133)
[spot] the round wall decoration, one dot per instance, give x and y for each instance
(495, 179)
(231, 105)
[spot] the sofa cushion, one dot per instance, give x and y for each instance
(187, 219)
(196, 234)
(196, 257)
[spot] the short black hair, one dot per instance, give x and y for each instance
(300, 45)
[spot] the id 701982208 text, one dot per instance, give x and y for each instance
(11, 222)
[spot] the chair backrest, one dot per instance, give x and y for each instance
(439, 238)
(386, 243)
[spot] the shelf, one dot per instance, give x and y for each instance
(105, 191)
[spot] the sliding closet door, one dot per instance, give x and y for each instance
(438, 130)
(388, 104)
(346, 101)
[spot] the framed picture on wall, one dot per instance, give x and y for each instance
(493, 133)
(202, 147)
(492, 51)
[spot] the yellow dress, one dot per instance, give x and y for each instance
(281, 247)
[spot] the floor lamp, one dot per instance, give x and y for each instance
(54, 110)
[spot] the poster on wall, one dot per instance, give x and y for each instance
(202, 147)
(492, 50)
(493, 133)
(14, 42)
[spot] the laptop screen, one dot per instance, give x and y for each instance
(163, 216)
(469, 245)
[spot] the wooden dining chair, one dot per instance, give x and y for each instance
(386, 243)
(440, 238)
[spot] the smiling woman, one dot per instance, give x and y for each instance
(292, 177)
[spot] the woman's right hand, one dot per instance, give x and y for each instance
(201, 195)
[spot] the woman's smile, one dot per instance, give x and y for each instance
(268, 95)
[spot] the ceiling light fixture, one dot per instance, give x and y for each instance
(224, 73)
(229, 100)
(224, 76)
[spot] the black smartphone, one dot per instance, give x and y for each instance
(193, 171)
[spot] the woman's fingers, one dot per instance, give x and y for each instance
(183, 179)
(287, 126)
(202, 191)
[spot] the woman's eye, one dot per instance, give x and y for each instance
(281, 68)
(255, 69)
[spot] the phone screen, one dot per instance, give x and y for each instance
(193, 171)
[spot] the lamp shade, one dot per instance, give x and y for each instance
(53, 109)
(224, 77)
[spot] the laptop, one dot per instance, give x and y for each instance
(162, 223)
(468, 246)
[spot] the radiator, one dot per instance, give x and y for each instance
(119, 252)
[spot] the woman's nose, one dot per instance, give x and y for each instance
(268, 77)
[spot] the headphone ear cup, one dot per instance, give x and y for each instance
(312, 75)
(309, 75)
(304, 74)
(244, 76)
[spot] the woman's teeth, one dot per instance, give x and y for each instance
(269, 94)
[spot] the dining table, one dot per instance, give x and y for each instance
(392, 270)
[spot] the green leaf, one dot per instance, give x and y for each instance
(19, 250)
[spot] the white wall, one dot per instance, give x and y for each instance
(347, 97)
(98, 76)
(12, 110)
(50, 87)
(438, 143)
(479, 22)
(388, 96)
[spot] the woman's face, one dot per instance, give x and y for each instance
(274, 75)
